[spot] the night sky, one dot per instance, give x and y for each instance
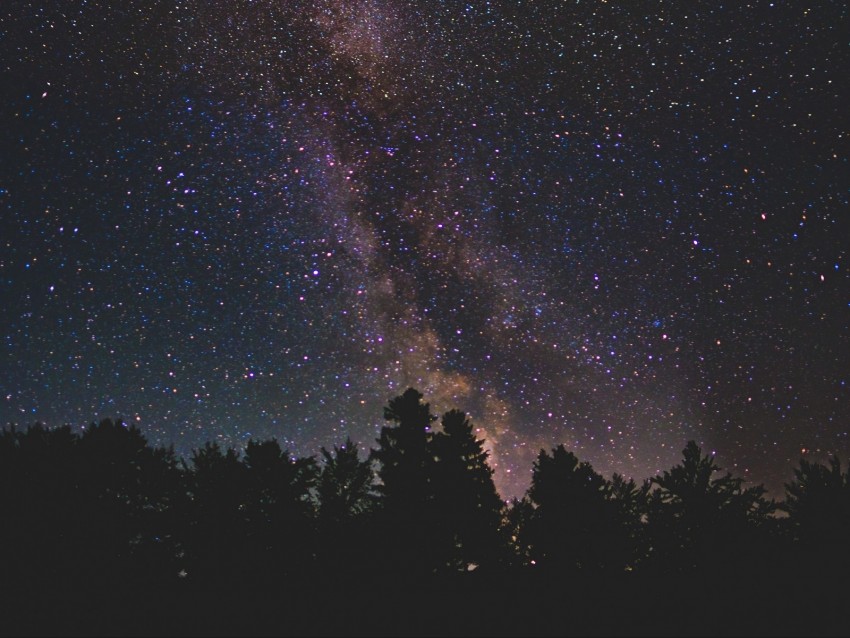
(612, 225)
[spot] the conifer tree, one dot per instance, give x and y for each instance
(698, 521)
(403, 454)
(572, 510)
(466, 505)
(346, 484)
(817, 501)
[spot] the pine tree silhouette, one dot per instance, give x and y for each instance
(696, 521)
(566, 529)
(404, 468)
(817, 501)
(467, 508)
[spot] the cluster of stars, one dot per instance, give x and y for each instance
(591, 223)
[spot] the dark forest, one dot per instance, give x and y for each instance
(105, 534)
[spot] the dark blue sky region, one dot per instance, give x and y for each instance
(612, 225)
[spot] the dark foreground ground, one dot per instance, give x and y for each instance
(494, 605)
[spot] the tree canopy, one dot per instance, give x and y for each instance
(100, 504)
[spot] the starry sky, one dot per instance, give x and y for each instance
(614, 225)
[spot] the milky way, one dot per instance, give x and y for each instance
(613, 225)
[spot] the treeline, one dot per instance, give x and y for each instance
(104, 508)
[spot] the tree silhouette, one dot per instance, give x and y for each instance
(346, 485)
(403, 454)
(38, 499)
(467, 508)
(404, 467)
(103, 511)
(627, 542)
(279, 481)
(94, 508)
(279, 509)
(129, 490)
(215, 530)
(566, 529)
(515, 531)
(347, 498)
(817, 501)
(696, 521)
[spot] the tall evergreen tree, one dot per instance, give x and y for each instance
(347, 498)
(403, 454)
(817, 501)
(214, 526)
(572, 510)
(346, 484)
(627, 542)
(697, 521)
(279, 483)
(467, 508)
(404, 468)
(278, 510)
